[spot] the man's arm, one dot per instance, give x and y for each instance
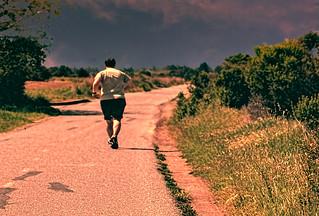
(96, 84)
(126, 80)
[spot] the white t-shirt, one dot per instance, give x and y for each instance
(113, 82)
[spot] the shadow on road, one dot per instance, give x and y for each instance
(57, 186)
(79, 113)
(140, 149)
(26, 175)
(4, 196)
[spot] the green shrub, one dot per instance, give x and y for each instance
(234, 90)
(185, 107)
(146, 72)
(282, 73)
(159, 84)
(129, 71)
(307, 111)
(146, 86)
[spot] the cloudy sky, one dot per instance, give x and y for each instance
(145, 33)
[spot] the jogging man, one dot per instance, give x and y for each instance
(112, 99)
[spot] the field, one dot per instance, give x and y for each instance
(66, 88)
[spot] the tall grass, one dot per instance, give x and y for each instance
(256, 167)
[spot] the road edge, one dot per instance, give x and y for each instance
(202, 198)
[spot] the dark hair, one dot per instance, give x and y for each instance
(110, 62)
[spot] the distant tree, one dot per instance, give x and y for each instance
(218, 69)
(171, 67)
(64, 71)
(41, 74)
(130, 71)
(204, 67)
(310, 41)
(81, 72)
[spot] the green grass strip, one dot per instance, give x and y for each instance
(183, 201)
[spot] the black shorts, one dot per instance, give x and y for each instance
(113, 109)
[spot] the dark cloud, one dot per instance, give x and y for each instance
(160, 32)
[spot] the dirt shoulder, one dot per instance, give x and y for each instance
(203, 200)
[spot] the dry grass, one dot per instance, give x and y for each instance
(261, 167)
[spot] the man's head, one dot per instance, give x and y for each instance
(110, 62)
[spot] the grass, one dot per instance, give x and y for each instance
(267, 166)
(80, 89)
(30, 110)
(182, 199)
(12, 119)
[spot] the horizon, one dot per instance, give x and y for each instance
(159, 33)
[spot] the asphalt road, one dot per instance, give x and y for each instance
(63, 166)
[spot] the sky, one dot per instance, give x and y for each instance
(146, 33)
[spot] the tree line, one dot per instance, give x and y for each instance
(283, 77)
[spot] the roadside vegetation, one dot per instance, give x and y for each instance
(251, 128)
(182, 199)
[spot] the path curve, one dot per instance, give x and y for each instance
(62, 166)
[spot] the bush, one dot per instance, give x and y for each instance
(282, 73)
(234, 90)
(307, 111)
(146, 72)
(146, 86)
(129, 71)
(185, 107)
(20, 58)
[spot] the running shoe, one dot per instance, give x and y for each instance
(115, 144)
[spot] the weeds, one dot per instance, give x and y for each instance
(181, 197)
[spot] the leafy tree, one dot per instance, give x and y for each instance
(14, 12)
(282, 73)
(234, 90)
(310, 41)
(20, 58)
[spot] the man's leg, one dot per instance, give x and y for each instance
(109, 127)
(117, 116)
(116, 127)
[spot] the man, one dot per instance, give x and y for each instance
(112, 99)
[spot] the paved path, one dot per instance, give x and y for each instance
(62, 166)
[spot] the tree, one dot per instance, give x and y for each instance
(282, 73)
(19, 58)
(14, 12)
(82, 72)
(204, 67)
(64, 71)
(234, 90)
